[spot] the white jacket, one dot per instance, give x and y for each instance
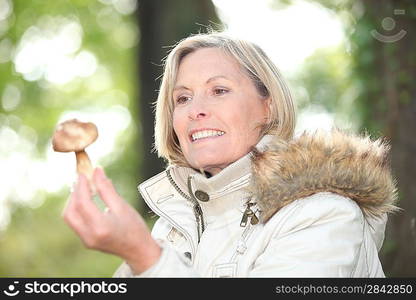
(321, 199)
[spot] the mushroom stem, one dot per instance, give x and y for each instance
(75, 136)
(84, 164)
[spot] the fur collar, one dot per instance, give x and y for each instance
(347, 164)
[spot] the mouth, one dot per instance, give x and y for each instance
(198, 135)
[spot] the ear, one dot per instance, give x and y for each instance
(267, 109)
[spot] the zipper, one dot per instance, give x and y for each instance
(199, 217)
(197, 211)
(242, 242)
(249, 218)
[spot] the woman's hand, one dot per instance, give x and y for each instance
(119, 229)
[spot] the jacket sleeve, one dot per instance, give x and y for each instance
(317, 236)
(171, 262)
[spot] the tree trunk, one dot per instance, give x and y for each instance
(390, 105)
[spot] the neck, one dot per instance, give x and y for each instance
(210, 171)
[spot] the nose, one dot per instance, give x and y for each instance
(197, 109)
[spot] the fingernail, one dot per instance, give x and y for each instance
(100, 173)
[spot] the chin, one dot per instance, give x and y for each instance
(207, 164)
(211, 158)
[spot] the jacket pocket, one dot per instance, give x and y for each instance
(179, 242)
(225, 270)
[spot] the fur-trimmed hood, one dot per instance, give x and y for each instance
(347, 164)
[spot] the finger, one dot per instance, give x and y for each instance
(82, 201)
(71, 216)
(71, 201)
(68, 202)
(83, 187)
(83, 226)
(77, 224)
(106, 189)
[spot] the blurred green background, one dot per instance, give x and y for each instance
(349, 63)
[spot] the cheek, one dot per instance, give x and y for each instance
(247, 124)
(257, 113)
(244, 119)
(179, 125)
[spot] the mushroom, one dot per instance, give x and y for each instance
(75, 136)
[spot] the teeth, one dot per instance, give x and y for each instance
(206, 133)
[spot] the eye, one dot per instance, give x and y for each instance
(183, 99)
(220, 91)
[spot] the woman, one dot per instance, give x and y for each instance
(241, 197)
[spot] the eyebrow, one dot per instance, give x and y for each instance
(180, 87)
(217, 77)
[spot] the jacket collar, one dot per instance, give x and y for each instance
(231, 178)
(230, 185)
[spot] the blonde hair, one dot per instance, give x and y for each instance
(264, 74)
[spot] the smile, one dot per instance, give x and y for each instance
(205, 134)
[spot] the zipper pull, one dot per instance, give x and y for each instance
(197, 210)
(254, 219)
(248, 213)
(244, 219)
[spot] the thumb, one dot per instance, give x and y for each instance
(105, 189)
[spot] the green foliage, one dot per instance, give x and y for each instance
(38, 243)
(325, 81)
(380, 78)
(103, 37)
(382, 68)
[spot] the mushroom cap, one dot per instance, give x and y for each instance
(74, 136)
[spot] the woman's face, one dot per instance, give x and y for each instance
(218, 111)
